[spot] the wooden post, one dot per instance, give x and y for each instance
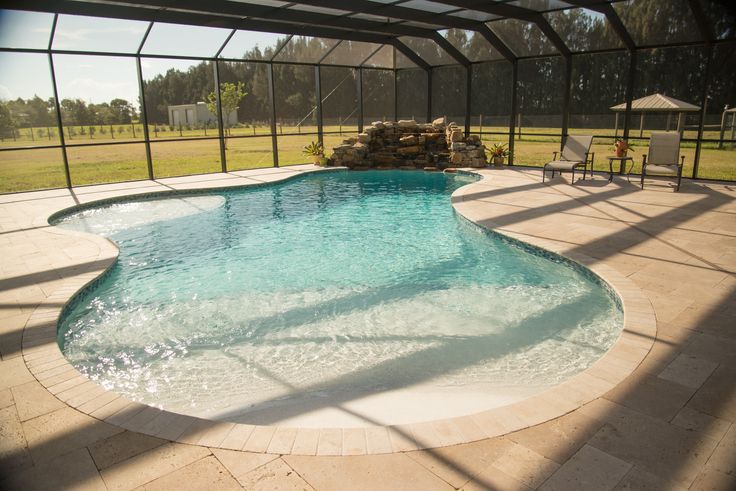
(518, 124)
(615, 128)
(641, 125)
(723, 127)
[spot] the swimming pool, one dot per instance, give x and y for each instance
(340, 298)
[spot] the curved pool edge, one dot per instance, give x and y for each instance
(48, 365)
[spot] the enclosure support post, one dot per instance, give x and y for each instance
(360, 99)
(566, 100)
(59, 124)
(468, 75)
(429, 94)
(272, 100)
(318, 90)
(629, 92)
(57, 105)
(703, 109)
(396, 94)
(144, 118)
(220, 119)
(512, 117)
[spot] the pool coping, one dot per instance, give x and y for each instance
(48, 365)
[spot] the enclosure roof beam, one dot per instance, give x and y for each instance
(551, 34)
(499, 9)
(189, 18)
(235, 10)
(704, 26)
(409, 53)
(607, 9)
(396, 12)
(496, 42)
(451, 50)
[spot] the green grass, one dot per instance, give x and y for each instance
(42, 168)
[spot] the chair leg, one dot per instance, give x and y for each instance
(679, 178)
(643, 173)
(544, 171)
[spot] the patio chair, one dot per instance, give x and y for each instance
(576, 153)
(664, 153)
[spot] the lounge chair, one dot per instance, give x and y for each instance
(576, 153)
(664, 153)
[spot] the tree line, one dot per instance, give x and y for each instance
(598, 80)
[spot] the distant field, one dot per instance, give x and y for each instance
(39, 168)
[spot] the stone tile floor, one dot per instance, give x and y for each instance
(669, 425)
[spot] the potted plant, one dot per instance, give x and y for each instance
(499, 152)
(621, 147)
(314, 150)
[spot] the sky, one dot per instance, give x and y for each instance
(96, 78)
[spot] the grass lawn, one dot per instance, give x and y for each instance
(41, 168)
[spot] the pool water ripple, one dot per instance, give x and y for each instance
(283, 302)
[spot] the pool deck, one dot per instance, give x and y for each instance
(658, 413)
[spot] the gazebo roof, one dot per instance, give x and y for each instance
(658, 103)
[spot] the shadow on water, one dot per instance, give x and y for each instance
(442, 357)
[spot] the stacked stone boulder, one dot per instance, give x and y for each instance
(407, 144)
(465, 152)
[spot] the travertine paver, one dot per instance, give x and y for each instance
(366, 472)
(639, 479)
(460, 463)
(690, 419)
(206, 473)
(151, 465)
(274, 475)
(588, 469)
(688, 370)
(122, 446)
(32, 399)
(671, 420)
(653, 444)
(526, 465)
(717, 396)
(240, 464)
(651, 395)
(73, 470)
(6, 398)
(62, 431)
(13, 447)
(560, 438)
(724, 458)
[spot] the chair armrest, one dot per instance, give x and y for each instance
(554, 155)
(682, 160)
(644, 160)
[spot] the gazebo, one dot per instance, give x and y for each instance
(656, 103)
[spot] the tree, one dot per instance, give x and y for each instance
(75, 111)
(7, 123)
(230, 97)
(122, 110)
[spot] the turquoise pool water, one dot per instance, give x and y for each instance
(307, 297)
